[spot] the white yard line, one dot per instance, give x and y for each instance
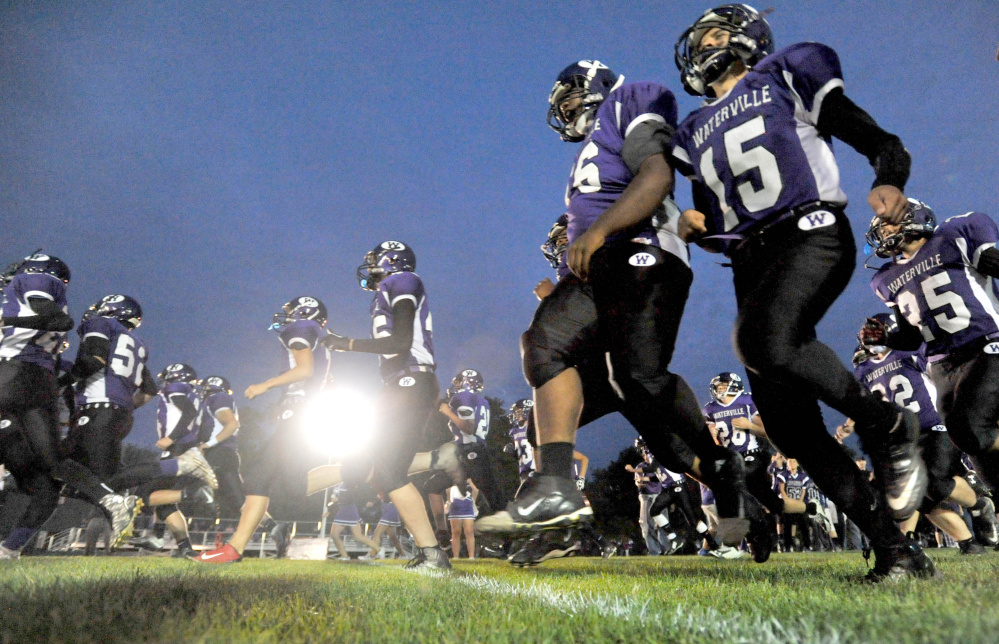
(687, 620)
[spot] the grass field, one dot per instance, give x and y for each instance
(793, 598)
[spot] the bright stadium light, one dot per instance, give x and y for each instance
(339, 421)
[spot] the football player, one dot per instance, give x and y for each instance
(467, 411)
(736, 424)
(900, 376)
(176, 423)
(301, 325)
(793, 485)
(941, 287)
(625, 297)
(218, 426)
(767, 193)
(519, 418)
(34, 324)
(649, 477)
(402, 336)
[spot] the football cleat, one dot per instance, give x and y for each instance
(121, 511)
(150, 542)
(184, 553)
(544, 502)
(193, 462)
(971, 547)
(225, 554)
(899, 468)
(6, 554)
(896, 563)
(726, 552)
(203, 494)
(762, 538)
(432, 558)
(550, 544)
(282, 538)
(984, 521)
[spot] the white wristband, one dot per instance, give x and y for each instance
(212, 442)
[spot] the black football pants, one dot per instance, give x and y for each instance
(95, 437)
(968, 402)
(629, 311)
(785, 281)
(225, 461)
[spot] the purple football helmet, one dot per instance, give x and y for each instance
(37, 262)
(919, 221)
(590, 81)
(520, 411)
(557, 242)
(178, 372)
(750, 40)
(300, 308)
(120, 307)
(386, 258)
(725, 384)
(214, 385)
(468, 380)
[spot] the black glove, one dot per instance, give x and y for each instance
(509, 448)
(335, 342)
(812, 509)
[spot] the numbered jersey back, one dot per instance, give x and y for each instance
(118, 381)
(939, 291)
(757, 148)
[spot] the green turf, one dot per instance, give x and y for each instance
(809, 597)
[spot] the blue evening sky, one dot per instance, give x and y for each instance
(215, 159)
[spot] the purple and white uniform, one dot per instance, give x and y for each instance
(31, 345)
(775, 474)
(209, 424)
(462, 506)
(346, 513)
(794, 484)
(656, 474)
(937, 290)
(469, 405)
(305, 334)
(391, 290)
(757, 149)
(900, 377)
(737, 440)
(168, 414)
(118, 381)
(599, 173)
(390, 515)
(525, 451)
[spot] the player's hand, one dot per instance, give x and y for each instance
(690, 227)
(844, 430)
(255, 390)
(444, 408)
(164, 444)
(544, 288)
(742, 423)
(888, 203)
(335, 342)
(580, 483)
(582, 251)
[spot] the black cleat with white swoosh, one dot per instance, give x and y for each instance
(545, 502)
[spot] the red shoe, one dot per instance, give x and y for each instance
(225, 554)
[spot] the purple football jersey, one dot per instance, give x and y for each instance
(168, 414)
(742, 406)
(305, 334)
(775, 473)
(656, 474)
(31, 345)
(392, 289)
(940, 290)
(757, 148)
(209, 424)
(468, 405)
(599, 173)
(525, 451)
(900, 377)
(117, 382)
(794, 484)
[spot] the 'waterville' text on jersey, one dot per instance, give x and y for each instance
(741, 103)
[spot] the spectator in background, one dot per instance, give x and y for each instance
(347, 516)
(461, 513)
